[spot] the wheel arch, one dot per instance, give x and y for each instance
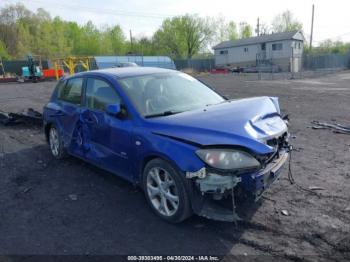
(182, 182)
(147, 158)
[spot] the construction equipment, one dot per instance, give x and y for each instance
(71, 63)
(34, 69)
(6, 77)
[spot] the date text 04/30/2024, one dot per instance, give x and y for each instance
(173, 258)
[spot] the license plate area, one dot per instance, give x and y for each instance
(266, 178)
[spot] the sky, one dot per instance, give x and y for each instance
(144, 17)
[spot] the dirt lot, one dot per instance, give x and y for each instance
(71, 207)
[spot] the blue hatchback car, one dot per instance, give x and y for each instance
(190, 149)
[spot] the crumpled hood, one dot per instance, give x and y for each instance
(245, 122)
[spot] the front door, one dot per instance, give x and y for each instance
(107, 137)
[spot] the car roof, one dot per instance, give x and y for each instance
(122, 72)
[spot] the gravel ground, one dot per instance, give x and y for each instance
(70, 207)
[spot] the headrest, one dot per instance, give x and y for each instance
(153, 88)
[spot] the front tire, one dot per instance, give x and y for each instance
(56, 143)
(165, 191)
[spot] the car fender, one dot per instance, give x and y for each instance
(181, 155)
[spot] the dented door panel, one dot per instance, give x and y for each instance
(107, 140)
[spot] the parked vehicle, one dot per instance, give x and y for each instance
(185, 145)
(127, 64)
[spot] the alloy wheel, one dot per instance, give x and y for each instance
(162, 191)
(54, 142)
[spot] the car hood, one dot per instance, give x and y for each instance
(245, 122)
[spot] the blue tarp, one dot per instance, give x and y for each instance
(147, 61)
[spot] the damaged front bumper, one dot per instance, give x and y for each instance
(210, 188)
(258, 183)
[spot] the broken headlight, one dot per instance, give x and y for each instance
(228, 159)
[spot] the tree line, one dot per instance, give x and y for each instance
(23, 31)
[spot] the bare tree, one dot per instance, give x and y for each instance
(285, 22)
(224, 30)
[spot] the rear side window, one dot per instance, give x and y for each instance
(58, 88)
(99, 94)
(71, 92)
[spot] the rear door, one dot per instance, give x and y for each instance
(67, 114)
(108, 136)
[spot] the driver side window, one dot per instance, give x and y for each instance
(99, 94)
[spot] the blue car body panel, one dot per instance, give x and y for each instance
(229, 123)
(108, 141)
(123, 146)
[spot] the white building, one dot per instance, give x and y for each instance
(280, 51)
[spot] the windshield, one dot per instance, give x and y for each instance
(167, 93)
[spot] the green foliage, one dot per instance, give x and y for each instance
(286, 22)
(170, 37)
(146, 46)
(187, 36)
(3, 52)
(197, 32)
(329, 46)
(232, 30)
(184, 36)
(23, 32)
(224, 30)
(245, 30)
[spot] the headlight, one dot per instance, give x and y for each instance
(228, 159)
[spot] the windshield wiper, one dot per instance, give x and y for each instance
(165, 113)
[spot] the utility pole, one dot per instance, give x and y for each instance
(312, 26)
(131, 42)
(257, 30)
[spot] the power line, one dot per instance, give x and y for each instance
(100, 10)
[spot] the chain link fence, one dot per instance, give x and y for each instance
(199, 65)
(306, 66)
(295, 67)
(335, 61)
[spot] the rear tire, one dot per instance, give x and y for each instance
(165, 191)
(56, 143)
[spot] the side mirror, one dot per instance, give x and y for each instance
(113, 109)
